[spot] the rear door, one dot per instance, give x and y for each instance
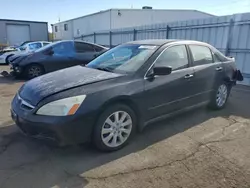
(208, 71)
(84, 52)
(165, 94)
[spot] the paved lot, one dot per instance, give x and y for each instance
(200, 149)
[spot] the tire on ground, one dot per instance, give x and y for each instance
(213, 104)
(97, 134)
(33, 66)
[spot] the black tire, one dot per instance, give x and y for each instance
(214, 104)
(7, 61)
(97, 134)
(28, 71)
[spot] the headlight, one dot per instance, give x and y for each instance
(62, 107)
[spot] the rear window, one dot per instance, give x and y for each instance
(98, 48)
(35, 46)
(220, 57)
(201, 55)
(83, 47)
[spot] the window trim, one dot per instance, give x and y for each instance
(192, 57)
(173, 45)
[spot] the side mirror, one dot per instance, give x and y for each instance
(161, 71)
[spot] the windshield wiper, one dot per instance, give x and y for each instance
(104, 69)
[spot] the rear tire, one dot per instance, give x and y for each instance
(114, 128)
(33, 70)
(220, 96)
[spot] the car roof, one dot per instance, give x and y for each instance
(89, 43)
(160, 42)
(28, 43)
(157, 42)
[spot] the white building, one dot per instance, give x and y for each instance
(120, 18)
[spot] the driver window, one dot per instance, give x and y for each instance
(175, 57)
(63, 48)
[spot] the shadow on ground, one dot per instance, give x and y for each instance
(33, 163)
(7, 78)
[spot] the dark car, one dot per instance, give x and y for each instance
(53, 57)
(122, 91)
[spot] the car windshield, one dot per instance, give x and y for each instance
(123, 59)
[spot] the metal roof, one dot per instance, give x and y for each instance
(8, 20)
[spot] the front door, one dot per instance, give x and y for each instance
(62, 57)
(169, 93)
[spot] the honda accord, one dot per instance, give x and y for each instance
(123, 90)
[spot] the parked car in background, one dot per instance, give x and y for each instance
(122, 91)
(9, 48)
(55, 56)
(25, 48)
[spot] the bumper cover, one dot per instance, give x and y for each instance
(59, 130)
(16, 69)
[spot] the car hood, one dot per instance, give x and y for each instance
(41, 87)
(19, 55)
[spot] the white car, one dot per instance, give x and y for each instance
(28, 47)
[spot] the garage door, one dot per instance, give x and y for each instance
(16, 34)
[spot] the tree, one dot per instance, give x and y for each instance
(51, 37)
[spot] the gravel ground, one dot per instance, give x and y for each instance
(200, 149)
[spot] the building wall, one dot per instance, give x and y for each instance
(3, 34)
(93, 23)
(38, 30)
(79, 26)
(133, 17)
(116, 19)
(229, 34)
(61, 33)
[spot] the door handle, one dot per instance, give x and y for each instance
(218, 68)
(188, 76)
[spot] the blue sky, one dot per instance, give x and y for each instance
(51, 10)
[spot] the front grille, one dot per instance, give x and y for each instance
(25, 105)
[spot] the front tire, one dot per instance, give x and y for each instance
(220, 97)
(114, 128)
(33, 71)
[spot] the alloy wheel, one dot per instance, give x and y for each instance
(34, 71)
(221, 95)
(116, 129)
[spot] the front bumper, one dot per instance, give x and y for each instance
(16, 69)
(63, 131)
